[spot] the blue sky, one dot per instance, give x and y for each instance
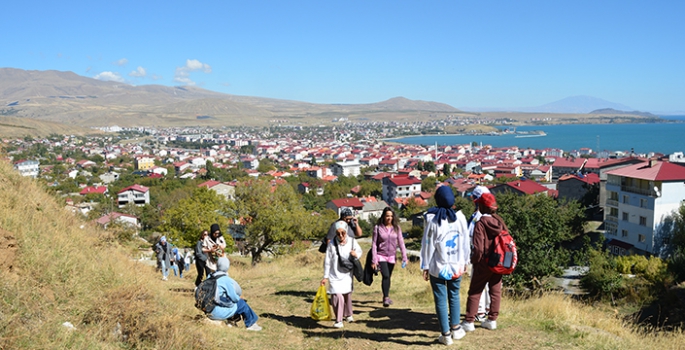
(464, 53)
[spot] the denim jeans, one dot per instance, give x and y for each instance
(244, 310)
(446, 293)
(165, 270)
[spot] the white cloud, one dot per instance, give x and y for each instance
(109, 76)
(182, 74)
(138, 73)
(121, 62)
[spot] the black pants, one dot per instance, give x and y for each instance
(202, 271)
(386, 272)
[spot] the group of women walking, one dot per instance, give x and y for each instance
(449, 245)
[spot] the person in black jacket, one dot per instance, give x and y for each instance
(201, 259)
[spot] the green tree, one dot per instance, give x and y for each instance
(275, 218)
(428, 184)
(447, 169)
(265, 165)
(677, 245)
(539, 225)
(429, 166)
(189, 216)
(371, 188)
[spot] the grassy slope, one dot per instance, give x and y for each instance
(67, 270)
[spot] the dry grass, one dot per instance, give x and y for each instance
(65, 270)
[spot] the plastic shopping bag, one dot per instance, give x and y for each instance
(321, 311)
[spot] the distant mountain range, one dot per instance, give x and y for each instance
(571, 105)
(73, 99)
(68, 98)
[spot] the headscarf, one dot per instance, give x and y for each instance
(444, 198)
(222, 264)
(340, 225)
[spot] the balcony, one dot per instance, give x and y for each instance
(611, 218)
(638, 190)
(612, 203)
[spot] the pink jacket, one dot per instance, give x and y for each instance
(384, 244)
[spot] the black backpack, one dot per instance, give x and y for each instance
(205, 294)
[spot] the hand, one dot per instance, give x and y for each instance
(425, 275)
(323, 281)
(353, 253)
(404, 263)
(373, 267)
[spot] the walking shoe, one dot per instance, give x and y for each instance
(445, 339)
(387, 302)
(458, 333)
(338, 325)
(467, 326)
(481, 317)
(164, 278)
(489, 324)
(255, 327)
(349, 319)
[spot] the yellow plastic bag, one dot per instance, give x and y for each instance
(321, 310)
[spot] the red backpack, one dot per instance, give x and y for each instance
(503, 256)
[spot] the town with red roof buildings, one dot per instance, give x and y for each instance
(634, 191)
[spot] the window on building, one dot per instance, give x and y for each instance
(641, 238)
(625, 198)
(624, 216)
(624, 233)
(643, 203)
(613, 212)
(643, 221)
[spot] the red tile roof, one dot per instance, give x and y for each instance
(135, 187)
(93, 189)
(659, 171)
(348, 202)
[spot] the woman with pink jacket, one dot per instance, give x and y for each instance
(387, 236)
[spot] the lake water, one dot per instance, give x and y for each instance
(642, 138)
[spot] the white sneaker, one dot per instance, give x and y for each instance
(467, 326)
(164, 278)
(458, 333)
(255, 327)
(338, 325)
(349, 319)
(489, 324)
(445, 339)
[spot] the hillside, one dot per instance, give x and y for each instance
(609, 111)
(20, 127)
(68, 98)
(56, 268)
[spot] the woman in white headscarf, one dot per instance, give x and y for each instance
(339, 278)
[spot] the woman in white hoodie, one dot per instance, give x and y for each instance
(445, 252)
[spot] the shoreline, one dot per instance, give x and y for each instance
(642, 138)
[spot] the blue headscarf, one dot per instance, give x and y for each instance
(444, 198)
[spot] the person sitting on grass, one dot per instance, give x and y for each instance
(230, 302)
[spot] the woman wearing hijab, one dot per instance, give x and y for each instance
(445, 251)
(338, 277)
(486, 229)
(216, 244)
(387, 237)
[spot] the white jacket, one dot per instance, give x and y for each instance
(445, 245)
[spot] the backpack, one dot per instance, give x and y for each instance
(205, 294)
(503, 255)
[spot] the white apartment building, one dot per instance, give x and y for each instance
(639, 198)
(28, 168)
(351, 168)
